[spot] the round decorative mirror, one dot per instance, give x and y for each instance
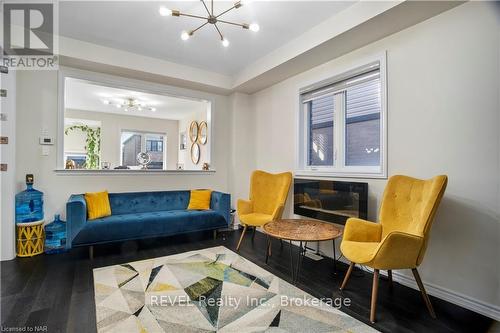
(203, 133)
(193, 131)
(195, 153)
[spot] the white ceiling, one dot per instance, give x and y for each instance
(137, 27)
(82, 95)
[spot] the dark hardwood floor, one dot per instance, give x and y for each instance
(56, 291)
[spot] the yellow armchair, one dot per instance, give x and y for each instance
(268, 194)
(400, 239)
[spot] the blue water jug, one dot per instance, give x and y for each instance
(55, 236)
(29, 203)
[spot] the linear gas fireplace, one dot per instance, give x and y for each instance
(332, 201)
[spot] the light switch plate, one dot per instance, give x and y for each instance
(46, 140)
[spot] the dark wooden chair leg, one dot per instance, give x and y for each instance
(241, 237)
(215, 234)
(424, 293)
(347, 275)
(253, 233)
(268, 249)
(91, 252)
(389, 276)
(373, 306)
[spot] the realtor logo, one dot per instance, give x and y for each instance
(28, 35)
(38, 23)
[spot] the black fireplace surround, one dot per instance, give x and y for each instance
(328, 200)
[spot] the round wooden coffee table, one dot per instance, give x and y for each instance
(302, 231)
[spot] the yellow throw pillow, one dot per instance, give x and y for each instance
(200, 199)
(97, 205)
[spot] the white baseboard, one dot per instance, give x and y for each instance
(489, 310)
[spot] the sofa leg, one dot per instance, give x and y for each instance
(91, 252)
(215, 234)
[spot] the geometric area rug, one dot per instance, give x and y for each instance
(209, 290)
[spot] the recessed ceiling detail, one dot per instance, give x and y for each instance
(137, 27)
(211, 18)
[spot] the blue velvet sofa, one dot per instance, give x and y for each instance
(139, 215)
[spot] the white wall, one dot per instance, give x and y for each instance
(443, 118)
(113, 124)
(241, 145)
(8, 156)
(37, 110)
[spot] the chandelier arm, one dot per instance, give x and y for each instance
(212, 4)
(205, 5)
(220, 33)
(224, 12)
(243, 25)
(201, 26)
(195, 16)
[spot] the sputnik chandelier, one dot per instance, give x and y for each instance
(211, 18)
(130, 104)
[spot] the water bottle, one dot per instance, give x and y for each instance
(29, 203)
(55, 236)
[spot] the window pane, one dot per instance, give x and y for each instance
(133, 143)
(321, 111)
(131, 146)
(155, 152)
(363, 124)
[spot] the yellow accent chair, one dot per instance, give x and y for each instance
(268, 194)
(400, 239)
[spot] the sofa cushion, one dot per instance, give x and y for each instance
(148, 224)
(199, 200)
(97, 204)
(142, 202)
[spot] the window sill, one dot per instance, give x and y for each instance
(331, 174)
(83, 172)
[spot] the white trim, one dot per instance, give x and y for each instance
(467, 302)
(329, 174)
(338, 170)
(125, 83)
(117, 172)
(489, 310)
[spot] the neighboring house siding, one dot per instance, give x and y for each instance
(131, 148)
